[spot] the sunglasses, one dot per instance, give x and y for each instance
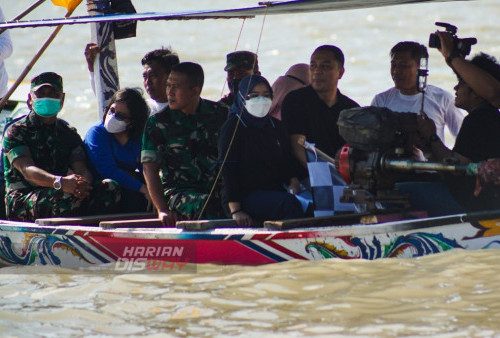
(119, 116)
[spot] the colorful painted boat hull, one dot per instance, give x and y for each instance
(84, 246)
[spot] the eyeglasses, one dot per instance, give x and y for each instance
(119, 116)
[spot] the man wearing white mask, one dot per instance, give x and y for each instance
(45, 162)
(257, 161)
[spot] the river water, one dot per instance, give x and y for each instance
(455, 294)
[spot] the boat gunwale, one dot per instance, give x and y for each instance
(218, 233)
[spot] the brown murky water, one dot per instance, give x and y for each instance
(455, 294)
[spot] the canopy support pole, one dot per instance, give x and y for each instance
(33, 61)
(106, 67)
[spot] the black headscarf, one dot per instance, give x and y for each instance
(238, 107)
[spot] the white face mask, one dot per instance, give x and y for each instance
(113, 125)
(258, 106)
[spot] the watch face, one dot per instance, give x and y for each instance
(57, 183)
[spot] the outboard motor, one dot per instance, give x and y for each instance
(374, 137)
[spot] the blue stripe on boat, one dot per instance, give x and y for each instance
(89, 250)
(263, 251)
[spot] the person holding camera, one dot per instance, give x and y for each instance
(406, 96)
(483, 83)
(478, 139)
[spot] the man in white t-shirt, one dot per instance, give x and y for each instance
(439, 105)
(157, 65)
(5, 52)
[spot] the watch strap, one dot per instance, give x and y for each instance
(453, 54)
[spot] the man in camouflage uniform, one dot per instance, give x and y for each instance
(39, 152)
(238, 65)
(179, 149)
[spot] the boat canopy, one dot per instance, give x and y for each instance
(267, 8)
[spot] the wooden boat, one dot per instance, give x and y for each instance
(138, 244)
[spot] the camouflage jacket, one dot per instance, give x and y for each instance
(185, 145)
(53, 148)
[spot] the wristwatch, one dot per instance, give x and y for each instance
(58, 183)
(453, 54)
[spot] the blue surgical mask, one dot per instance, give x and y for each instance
(46, 106)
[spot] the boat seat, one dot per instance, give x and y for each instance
(348, 219)
(208, 224)
(92, 220)
(315, 221)
(185, 225)
(132, 223)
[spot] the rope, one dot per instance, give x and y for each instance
(235, 47)
(219, 172)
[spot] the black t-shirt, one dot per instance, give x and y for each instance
(478, 140)
(304, 113)
(479, 136)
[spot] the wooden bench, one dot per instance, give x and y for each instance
(314, 221)
(325, 221)
(191, 225)
(207, 224)
(133, 223)
(92, 220)
(149, 220)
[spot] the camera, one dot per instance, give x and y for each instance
(462, 46)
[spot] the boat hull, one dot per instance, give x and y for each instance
(84, 246)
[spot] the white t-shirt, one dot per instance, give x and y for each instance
(439, 105)
(155, 107)
(5, 52)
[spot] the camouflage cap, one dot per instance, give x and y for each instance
(47, 79)
(241, 59)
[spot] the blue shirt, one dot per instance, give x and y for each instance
(113, 160)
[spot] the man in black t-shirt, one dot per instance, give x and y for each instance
(477, 140)
(313, 111)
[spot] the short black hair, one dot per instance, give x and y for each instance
(488, 63)
(139, 110)
(193, 71)
(417, 50)
(164, 56)
(336, 51)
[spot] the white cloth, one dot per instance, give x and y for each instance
(5, 52)
(155, 107)
(439, 105)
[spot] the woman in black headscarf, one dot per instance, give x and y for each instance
(259, 172)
